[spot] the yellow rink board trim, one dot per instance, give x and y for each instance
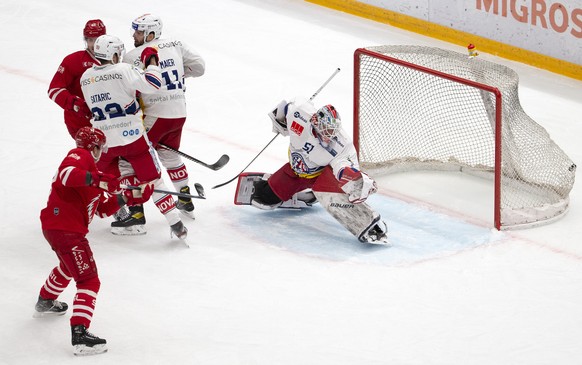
(453, 36)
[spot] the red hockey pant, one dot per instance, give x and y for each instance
(76, 262)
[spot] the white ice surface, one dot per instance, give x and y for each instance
(282, 287)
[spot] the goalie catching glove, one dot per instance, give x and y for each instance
(356, 184)
(278, 118)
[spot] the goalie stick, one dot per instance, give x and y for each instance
(223, 160)
(276, 135)
(197, 186)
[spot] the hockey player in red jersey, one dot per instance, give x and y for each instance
(78, 192)
(165, 110)
(323, 166)
(65, 89)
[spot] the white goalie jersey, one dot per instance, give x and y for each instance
(177, 62)
(308, 156)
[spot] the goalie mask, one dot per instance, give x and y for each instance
(106, 46)
(148, 23)
(89, 138)
(326, 123)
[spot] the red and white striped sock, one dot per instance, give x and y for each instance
(83, 307)
(57, 281)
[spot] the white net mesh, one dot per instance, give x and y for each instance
(411, 117)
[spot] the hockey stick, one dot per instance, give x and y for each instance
(197, 186)
(276, 135)
(223, 160)
(243, 170)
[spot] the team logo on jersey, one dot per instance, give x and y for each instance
(298, 163)
(56, 211)
(297, 128)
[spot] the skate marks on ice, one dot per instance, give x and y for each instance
(416, 234)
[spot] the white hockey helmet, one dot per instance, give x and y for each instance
(107, 45)
(148, 23)
(326, 122)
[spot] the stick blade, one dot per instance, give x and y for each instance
(200, 190)
(223, 160)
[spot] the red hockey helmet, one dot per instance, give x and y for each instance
(88, 138)
(94, 28)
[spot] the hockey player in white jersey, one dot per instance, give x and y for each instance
(323, 166)
(110, 92)
(165, 110)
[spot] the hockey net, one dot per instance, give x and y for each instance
(428, 108)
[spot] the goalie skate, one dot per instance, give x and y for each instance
(245, 189)
(376, 234)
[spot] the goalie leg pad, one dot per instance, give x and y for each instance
(302, 199)
(252, 189)
(360, 219)
(264, 194)
(246, 187)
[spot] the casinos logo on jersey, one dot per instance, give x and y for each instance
(106, 77)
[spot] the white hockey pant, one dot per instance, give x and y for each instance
(164, 202)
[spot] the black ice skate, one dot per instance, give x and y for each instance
(179, 230)
(122, 213)
(85, 343)
(49, 308)
(376, 234)
(132, 225)
(185, 205)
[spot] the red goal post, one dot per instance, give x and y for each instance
(429, 108)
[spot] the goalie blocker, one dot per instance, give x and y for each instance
(358, 218)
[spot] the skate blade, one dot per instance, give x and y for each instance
(383, 241)
(136, 230)
(84, 350)
(47, 314)
(183, 238)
